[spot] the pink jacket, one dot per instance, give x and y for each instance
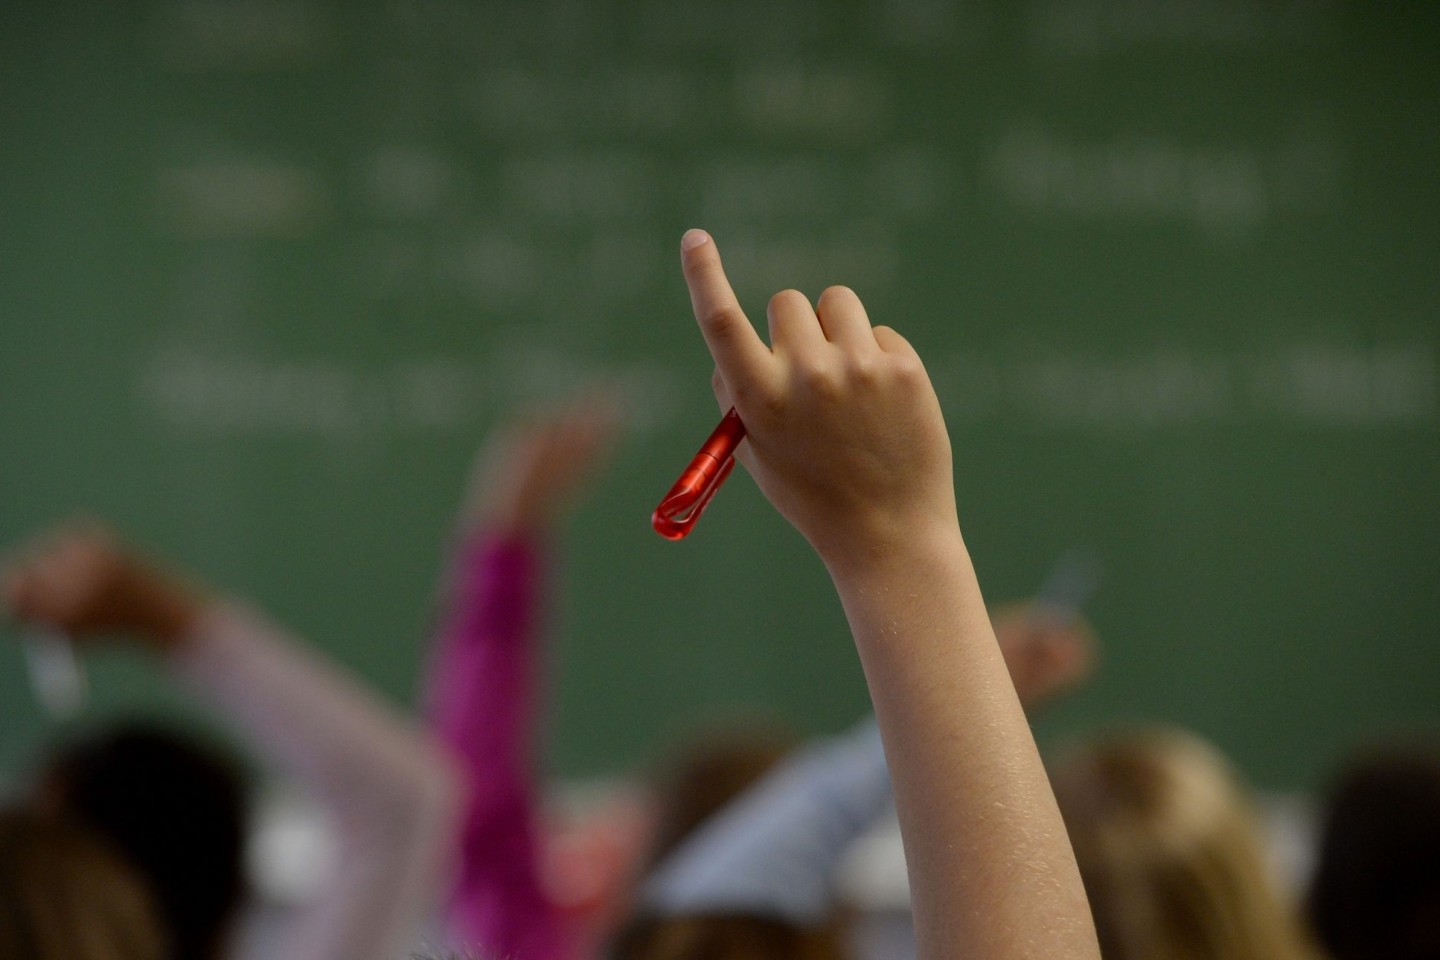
(481, 699)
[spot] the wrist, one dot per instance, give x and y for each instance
(915, 602)
(877, 547)
(166, 613)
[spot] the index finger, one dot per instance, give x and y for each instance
(738, 350)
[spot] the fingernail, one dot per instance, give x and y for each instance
(693, 238)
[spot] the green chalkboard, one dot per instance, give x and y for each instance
(270, 269)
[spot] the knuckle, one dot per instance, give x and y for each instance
(773, 407)
(817, 376)
(909, 370)
(864, 370)
(788, 299)
(721, 318)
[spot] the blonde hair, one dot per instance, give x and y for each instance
(1170, 853)
(66, 895)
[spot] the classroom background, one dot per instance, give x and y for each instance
(272, 268)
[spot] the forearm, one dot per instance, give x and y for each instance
(303, 715)
(481, 693)
(389, 789)
(391, 794)
(480, 686)
(991, 870)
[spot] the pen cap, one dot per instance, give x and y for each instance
(683, 505)
(691, 494)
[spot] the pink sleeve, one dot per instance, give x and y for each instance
(481, 694)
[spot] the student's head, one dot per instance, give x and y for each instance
(175, 810)
(724, 937)
(67, 894)
(1170, 852)
(1376, 890)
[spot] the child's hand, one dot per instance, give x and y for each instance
(846, 438)
(82, 581)
(1047, 654)
(533, 470)
(844, 433)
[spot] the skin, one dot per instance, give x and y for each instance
(846, 439)
(1047, 656)
(526, 479)
(397, 824)
(82, 581)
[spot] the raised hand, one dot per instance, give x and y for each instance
(1047, 654)
(846, 439)
(534, 469)
(844, 432)
(83, 581)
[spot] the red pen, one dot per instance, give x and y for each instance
(681, 507)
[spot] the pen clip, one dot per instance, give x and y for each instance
(691, 494)
(56, 676)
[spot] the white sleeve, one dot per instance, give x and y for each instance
(392, 794)
(775, 849)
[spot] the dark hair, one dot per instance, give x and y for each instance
(67, 894)
(1376, 891)
(176, 810)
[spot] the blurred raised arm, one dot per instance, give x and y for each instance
(391, 793)
(482, 687)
